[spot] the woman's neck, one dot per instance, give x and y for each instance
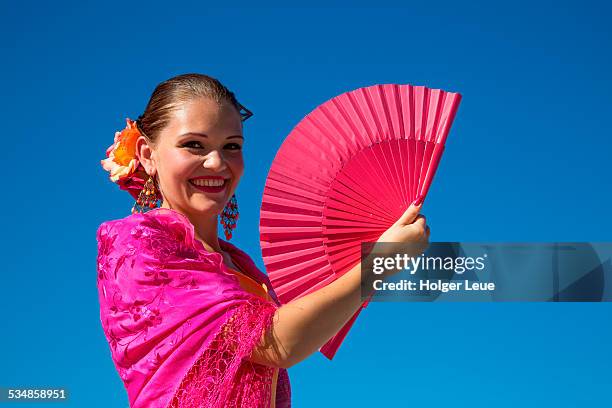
(205, 230)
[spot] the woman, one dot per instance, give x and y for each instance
(190, 319)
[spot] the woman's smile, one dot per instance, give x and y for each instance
(209, 184)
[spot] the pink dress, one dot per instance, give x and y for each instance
(179, 323)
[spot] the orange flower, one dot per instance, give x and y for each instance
(121, 158)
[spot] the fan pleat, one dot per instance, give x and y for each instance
(344, 119)
(400, 164)
(308, 287)
(357, 215)
(346, 194)
(450, 109)
(395, 178)
(393, 112)
(394, 102)
(289, 267)
(274, 217)
(287, 263)
(372, 112)
(407, 100)
(342, 244)
(375, 98)
(310, 272)
(381, 112)
(335, 120)
(331, 222)
(359, 105)
(421, 109)
(291, 229)
(347, 251)
(349, 182)
(352, 250)
(287, 190)
(275, 248)
(446, 113)
(352, 208)
(311, 156)
(436, 98)
(339, 149)
(271, 197)
(319, 150)
(299, 176)
(372, 176)
(402, 133)
(385, 183)
(427, 149)
(332, 241)
(345, 262)
(348, 230)
(342, 177)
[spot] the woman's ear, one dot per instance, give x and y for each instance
(146, 155)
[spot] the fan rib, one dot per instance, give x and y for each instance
(341, 186)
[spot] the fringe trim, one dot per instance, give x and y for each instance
(220, 377)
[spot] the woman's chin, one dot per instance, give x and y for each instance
(202, 202)
(207, 206)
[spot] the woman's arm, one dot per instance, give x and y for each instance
(302, 326)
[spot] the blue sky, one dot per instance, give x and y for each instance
(527, 159)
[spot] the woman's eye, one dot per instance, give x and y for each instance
(197, 145)
(189, 144)
(234, 146)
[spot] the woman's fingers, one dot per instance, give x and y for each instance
(409, 215)
(421, 220)
(421, 224)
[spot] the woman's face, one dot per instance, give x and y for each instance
(200, 148)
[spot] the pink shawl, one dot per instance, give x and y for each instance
(179, 325)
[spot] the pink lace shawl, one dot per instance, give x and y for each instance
(179, 325)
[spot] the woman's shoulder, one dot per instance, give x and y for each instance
(158, 227)
(156, 220)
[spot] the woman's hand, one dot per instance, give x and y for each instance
(409, 234)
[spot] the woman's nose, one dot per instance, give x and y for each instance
(214, 161)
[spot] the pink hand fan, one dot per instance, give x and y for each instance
(343, 176)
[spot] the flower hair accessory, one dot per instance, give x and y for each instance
(121, 161)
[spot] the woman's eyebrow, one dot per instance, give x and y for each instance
(206, 136)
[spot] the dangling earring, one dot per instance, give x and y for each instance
(229, 217)
(147, 199)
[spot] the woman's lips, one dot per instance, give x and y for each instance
(210, 189)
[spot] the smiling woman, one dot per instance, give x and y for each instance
(190, 320)
(182, 309)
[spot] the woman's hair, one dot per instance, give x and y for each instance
(170, 94)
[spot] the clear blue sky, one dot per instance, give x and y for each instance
(528, 159)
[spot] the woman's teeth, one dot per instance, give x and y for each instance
(208, 183)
